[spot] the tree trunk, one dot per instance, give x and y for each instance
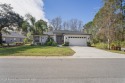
(1, 41)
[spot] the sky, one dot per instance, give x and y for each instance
(84, 10)
(23, 7)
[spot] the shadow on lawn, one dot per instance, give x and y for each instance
(14, 50)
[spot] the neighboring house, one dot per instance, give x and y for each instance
(12, 37)
(75, 38)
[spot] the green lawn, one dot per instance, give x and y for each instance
(36, 51)
(115, 51)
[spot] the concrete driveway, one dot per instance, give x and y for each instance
(90, 52)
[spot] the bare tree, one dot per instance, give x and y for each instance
(56, 23)
(80, 25)
(65, 25)
(75, 24)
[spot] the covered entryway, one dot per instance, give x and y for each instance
(60, 39)
(77, 41)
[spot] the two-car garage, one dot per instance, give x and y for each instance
(76, 40)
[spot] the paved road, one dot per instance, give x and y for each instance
(35, 70)
(89, 52)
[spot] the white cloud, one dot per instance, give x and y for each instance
(34, 7)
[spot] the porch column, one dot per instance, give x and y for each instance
(40, 39)
(55, 37)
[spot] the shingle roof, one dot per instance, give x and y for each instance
(65, 32)
(13, 34)
(48, 33)
(69, 32)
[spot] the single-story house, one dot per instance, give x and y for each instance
(75, 38)
(12, 37)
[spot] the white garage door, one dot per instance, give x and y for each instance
(77, 41)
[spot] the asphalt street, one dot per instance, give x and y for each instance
(35, 70)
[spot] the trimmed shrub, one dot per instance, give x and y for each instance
(49, 43)
(54, 44)
(65, 44)
(123, 44)
(19, 43)
(117, 43)
(32, 45)
(39, 44)
(102, 45)
(49, 39)
(88, 44)
(25, 40)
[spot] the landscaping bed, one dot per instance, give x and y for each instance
(36, 51)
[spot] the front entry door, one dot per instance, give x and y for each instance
(60, 39)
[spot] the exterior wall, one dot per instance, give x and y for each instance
(36, 39)
(66, 39)
(12, 39)
(40, 39)
(19, 39)
(43, 39)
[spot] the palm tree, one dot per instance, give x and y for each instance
(41, 26)
(33, 26)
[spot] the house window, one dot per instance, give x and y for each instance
(14, 39)
(4, 39)
(36, 38)
(84, 37)
(20, 40)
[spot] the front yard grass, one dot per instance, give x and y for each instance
(104, 46)
(115, 51)
(36, 51)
